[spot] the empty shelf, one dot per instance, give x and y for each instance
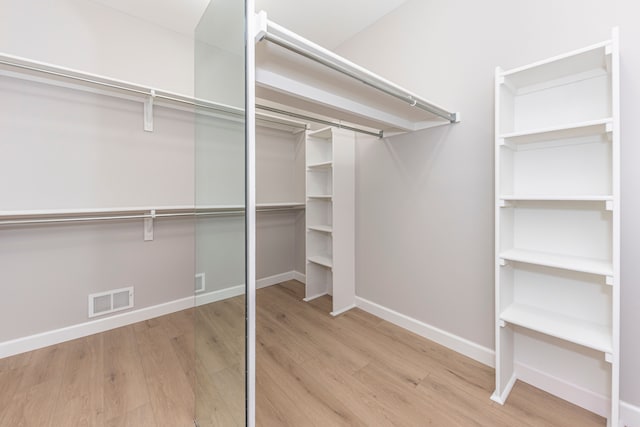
(582, 332)
(320, 196)
(556, 197)
(322, 165)
(574, 130)
(566, 262)
(321, 260)
(322, 228)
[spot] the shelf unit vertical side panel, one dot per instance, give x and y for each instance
(343, 220)
(503, 335)
(615, 141)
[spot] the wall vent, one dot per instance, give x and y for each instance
(200, 285)
(110, 301)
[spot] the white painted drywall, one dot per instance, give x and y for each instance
(425, 201)
(66, 149)
(95, 38)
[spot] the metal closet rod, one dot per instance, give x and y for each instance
(379, 134)
(52, 70)
(138, 216)
(115, 84)
(293, 42)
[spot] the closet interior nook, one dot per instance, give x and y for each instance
(557, 266)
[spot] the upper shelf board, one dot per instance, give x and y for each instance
(593, 58)
(297, 72)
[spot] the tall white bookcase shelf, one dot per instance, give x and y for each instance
(330, 243)
(557, 264)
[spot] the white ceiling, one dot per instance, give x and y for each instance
(327, 22)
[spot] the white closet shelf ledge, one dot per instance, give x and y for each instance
(321, 228)
(578, 331)
(565, 262)
(324, 261)
(385, 90)
(573, 130)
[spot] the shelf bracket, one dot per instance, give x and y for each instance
(502, 323)
(608, 357)
(148, 111)
(503, 262)
(609, 205)
(148, 226)
(609, 280)
(504, 203)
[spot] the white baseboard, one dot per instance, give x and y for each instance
(219, 295)
(274, 280)
(342, 310)
(300, 277)
(577, 395)
(56, 336)
(44, 339)
(629, 415)
(461, 345)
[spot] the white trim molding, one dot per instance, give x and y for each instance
(461, 345)
(68, 333)
(629, 415)
(80, 330)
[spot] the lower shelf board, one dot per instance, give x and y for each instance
(581, 332)
(566, 262)
(321, 228)
(324, 261)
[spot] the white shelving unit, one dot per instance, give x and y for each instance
(558, 211)
(330, 188)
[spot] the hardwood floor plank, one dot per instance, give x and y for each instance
(318, 402)
(139, 417)
(81, 398)
(125, 387)
(170, 391)
(211, 409)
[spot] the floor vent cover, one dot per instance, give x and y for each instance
(110, 301)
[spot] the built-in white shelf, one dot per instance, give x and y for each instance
(321, 228)
(555, 197)
(594, 57)
(573, 130)
(565, 262)
(322, 260)
(578, 331)
(321, 165)
(330, 189)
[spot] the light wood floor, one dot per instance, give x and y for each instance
(312, 370)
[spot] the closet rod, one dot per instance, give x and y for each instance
(379, 134)
(289, 40)
(97, 80)
(140, 216)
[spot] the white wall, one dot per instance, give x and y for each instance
(94, 38)
(65, 149)
(425, 200)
